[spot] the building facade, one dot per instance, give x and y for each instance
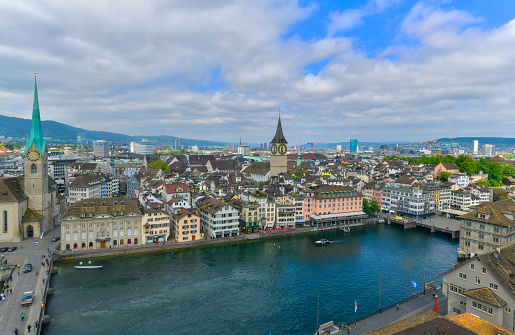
(218, 219)
(155, 226)
(186, 225)
(100, 149)
(408, 201)
(491, 225)
(100, 223)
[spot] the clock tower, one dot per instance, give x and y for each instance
(36, 167)
(278, 152)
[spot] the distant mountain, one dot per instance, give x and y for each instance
(17, 127)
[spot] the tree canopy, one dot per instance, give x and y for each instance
(159, 164)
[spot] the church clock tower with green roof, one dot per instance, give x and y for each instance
(278, 152)
(36, 170)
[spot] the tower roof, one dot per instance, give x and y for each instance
(36, 133)
(279, 136)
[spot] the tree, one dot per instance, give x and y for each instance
(159, 164)
(444, 176)
(374, 207)
(366, 207)
(500, 194)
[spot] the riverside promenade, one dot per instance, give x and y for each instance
(406, 310)
(27, 252)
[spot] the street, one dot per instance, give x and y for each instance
(11, 309)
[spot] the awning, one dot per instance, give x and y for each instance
(219, 233)
(234, 231)
(227, 231)
(300, 222)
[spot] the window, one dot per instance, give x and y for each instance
(5, 221)
(90, 235)
(456, 311)
(508, 310)
(482, 236)
(472, 266)
(480, 247)
(462, 275)
(33, 169)
(67, 237)
(484, 270)
(494, 286)
(75, 236)
(83, 235)
(478, 281)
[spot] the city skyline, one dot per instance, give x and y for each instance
(373, 70)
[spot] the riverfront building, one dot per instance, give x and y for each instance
(218, 219)
(490, 226)
(155, 226)
(484, 286)
(408, 201)
(330, 205)
(100, 223)
(186, 225)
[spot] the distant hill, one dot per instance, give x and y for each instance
(467, 141)
(17, 127)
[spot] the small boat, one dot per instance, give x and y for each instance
(346, 229)
(322, 242)
(88, 266)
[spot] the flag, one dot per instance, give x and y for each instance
(414, 284)
(355, 306)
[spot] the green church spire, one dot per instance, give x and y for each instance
(36, 133)
(299, 157)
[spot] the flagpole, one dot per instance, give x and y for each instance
(380, 276)
(318, 312)
(425, 275)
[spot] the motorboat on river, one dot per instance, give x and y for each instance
(88, 266)
(322, 242)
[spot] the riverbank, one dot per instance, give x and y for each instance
(149, 248)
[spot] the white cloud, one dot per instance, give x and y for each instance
(146, 68)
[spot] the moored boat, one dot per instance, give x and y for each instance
(88, 266)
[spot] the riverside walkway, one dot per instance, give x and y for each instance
(10, 310)
(391, 315)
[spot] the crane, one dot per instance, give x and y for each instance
(428, 142)
(314, 143)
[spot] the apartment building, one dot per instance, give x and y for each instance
(491, 225)
(186, 225)
(483, 286)
(217, 218)
(408, 201)
(285, 216)
(155, 226)
(249, 219)
(297, 200)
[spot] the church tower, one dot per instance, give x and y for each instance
(36, 167)
(278, 152)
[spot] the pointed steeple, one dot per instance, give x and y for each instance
(279, 136)
(299, 157)
(36, 132)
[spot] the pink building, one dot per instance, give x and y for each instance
(332, 200)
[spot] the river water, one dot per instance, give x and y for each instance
(257, 287)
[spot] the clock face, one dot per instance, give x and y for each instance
(33, 155)
(282, 148)
(273, 149)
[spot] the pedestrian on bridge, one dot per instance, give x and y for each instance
(28, 327)
(22, 315)
(15, 331)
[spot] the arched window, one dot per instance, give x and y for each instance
(129, 241)
(91, 244)
(115, 242)
(74, 245)
(83, 245)
(5, 221)
(33, 169)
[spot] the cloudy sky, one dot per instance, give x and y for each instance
(372, 70)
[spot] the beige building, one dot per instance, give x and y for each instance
(30, 204)
(490, 226)
(156, 226)
(100, 223)
(278, 152)
(186, 225)
(483, 286)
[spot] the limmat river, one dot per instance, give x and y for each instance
(261, 287)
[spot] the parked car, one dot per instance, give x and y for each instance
(27, 267)
(3, 249)
(55, 239)
(11, 249)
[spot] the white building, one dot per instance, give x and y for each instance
(244, 150)
(100, 149)
(460, 178)
(408, 201)
(476, 146)
(144, 147)
(489, 150)
(217, 218)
